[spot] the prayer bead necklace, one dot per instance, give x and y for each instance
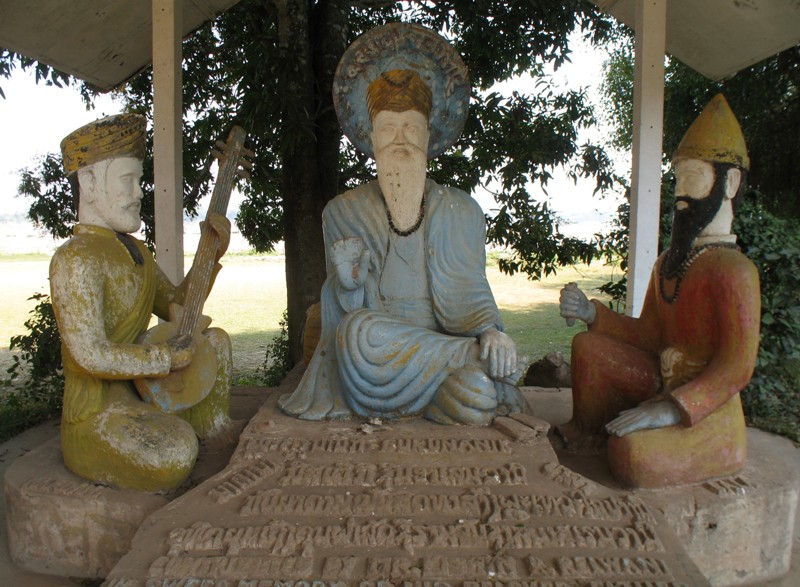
(414, 228)
(691, 258)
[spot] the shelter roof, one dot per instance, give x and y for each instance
(102, 42)
(720, 37)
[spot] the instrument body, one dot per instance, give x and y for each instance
(180, 390)
(184, 388)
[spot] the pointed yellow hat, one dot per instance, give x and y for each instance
(715, 136)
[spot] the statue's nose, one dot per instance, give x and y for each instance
(400, 137)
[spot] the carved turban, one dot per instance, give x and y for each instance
(398, 90)
(121, 135)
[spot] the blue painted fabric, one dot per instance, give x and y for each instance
(371, 363)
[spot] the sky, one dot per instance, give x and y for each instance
(35, 118)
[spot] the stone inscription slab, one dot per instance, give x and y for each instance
(401, 503)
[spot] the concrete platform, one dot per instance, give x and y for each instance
(406, 502)
(552, 405)
(89, 526)
(741, 530)
(49, 510)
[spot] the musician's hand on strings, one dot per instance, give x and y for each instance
(222, 227)
(181, 350)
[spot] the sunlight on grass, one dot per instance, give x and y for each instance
(530, 308)
(249, 297)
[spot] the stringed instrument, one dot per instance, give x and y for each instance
(187, 387)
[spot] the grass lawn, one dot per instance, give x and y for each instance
(249, 298)
(530, 308)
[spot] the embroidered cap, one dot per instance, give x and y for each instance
(120, 135)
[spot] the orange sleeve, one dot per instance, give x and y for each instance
(643, 332)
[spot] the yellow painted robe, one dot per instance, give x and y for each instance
(104, 293)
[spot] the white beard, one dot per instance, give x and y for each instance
(401, 175)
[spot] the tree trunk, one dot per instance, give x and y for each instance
(313, 39)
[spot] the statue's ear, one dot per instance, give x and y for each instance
(87, 183)
(732, 180)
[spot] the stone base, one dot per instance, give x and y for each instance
(401, 502)
(60, 524)
(737, 530)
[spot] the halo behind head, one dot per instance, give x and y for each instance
(402, 46)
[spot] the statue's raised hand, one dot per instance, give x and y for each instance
(652, 414)
(351, 259)
(573, 304)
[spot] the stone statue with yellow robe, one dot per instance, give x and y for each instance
(105, 287)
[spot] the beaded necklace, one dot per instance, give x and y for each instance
(414, 228)
(690, 258)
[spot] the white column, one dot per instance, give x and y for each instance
(648, 122)
(168, 136)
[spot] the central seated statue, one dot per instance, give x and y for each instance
(409, 323)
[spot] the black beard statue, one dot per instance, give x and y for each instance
(688, 223)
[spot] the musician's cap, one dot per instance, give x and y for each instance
(120, 135)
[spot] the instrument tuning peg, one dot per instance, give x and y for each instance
(248, 153)
(220, 145)
(246, 164)
(216, 154)
(243, 174)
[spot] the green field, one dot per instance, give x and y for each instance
(249, 298)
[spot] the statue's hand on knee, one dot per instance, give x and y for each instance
(573, 304)
(351, 259)
(500, 352)
(657, 414)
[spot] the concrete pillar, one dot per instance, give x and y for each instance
(648, 123)
(168, 136)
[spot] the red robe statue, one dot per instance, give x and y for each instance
(696, 342)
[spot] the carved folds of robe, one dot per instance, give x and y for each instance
(385, 349)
